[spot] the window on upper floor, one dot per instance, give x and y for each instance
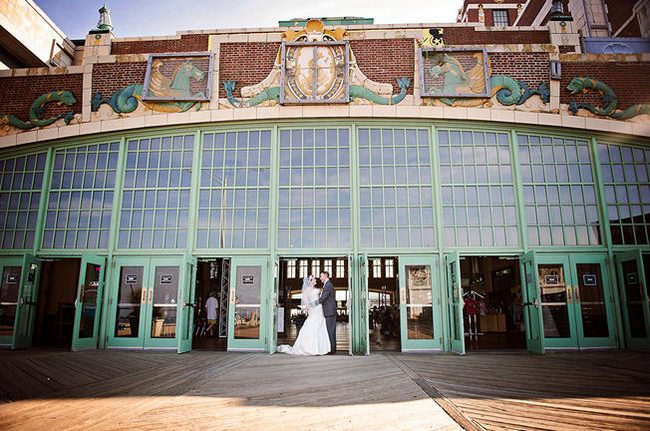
(500, 18)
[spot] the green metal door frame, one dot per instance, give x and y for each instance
(574, 305)
(186, 305)
(349, 304)
(455, 303)
(579, 304)
(83, 306)
(561, 260)
(272, 305)
(27, 301)
(435, 342)
(531, 299)
(144, 340)
(6, 340)
(137, 300)
(239, 267)
(363, 322)
(638, 343)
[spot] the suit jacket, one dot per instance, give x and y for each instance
(328, 299)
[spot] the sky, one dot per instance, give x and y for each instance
(138, 18)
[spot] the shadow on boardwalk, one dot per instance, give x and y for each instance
(218, 390)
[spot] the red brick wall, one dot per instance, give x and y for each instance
(108, 78)
(385, 60)
(246, 63)
(468, 36)
(18, 93)
(628, 80)
(187, 43)
(532, 68)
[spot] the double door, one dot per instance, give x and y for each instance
(567, 301)
(152, 303)
(19, 296)
(419, 315)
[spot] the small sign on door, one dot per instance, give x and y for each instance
(12, 278)
(632, 278)
(131, 278)
(589, 280)
(247, 279)
(551, 280)
(166, 278)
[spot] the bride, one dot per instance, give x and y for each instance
(312, 338)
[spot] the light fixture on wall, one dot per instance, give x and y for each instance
(556, 69)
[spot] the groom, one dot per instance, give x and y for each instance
(328, 299)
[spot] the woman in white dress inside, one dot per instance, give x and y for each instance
(312, 338)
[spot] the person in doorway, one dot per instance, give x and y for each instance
(211, 308)
(328, 299)
(313, 338)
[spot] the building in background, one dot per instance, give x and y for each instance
(475, 185)
(614, 27)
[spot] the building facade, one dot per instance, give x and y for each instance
(466, 186)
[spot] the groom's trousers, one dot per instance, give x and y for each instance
(330, 322)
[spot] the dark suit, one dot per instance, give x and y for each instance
(328, 299)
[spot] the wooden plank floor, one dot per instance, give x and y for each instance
(558, 391)
(210, 391)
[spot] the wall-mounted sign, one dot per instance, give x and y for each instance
(454, 72)
(178, 77)
(12, 278)
(632, 278)
(248, 279)
(131, 278)
(589, 280)
(166, 278)
(551, 280)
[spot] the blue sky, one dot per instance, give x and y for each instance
(165, 17)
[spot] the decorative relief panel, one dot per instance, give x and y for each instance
(315, 72)
(451, 72)
(178, 77)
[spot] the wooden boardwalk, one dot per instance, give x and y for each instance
(558, 391)
(57, 390)
(211, 391)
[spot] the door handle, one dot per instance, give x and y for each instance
(143, 296)
(576, 294)
(569, 294)
(150, 295)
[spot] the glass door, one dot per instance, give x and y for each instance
(634, 299)
(186, 306)
(26, 307)
(531, 296)
(455, 303)
(273, 306)
(247, 315)
(556, 298)
(146, 298)
(349, 297)
(416, 303)
(130, 299)
(576, 301)
(85, 334)
(10, 270)
(592, 301)
(364, 318)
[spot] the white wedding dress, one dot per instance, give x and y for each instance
(312, 338)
